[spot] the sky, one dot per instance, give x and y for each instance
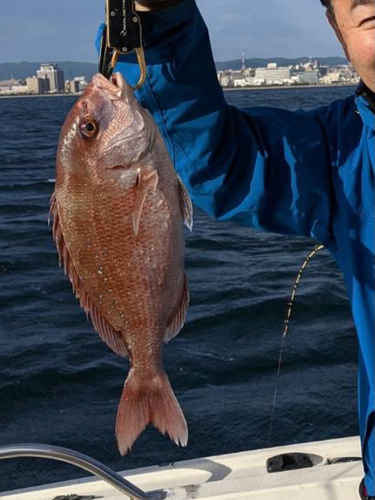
(50, 30)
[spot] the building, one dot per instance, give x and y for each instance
(37, 85)
(330, 78)
(74, 87)
(223, 78)
(231, 78)
(13, 87)
(54, 75)
(240, 82)
(308, 78)
(311, 73)
(237, 79)
(273, 74)
(82, 82)
(20, 89)
(7, 85)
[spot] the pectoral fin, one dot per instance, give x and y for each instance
(146, 180)
(186, 205)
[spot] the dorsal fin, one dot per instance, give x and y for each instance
(177, 320)
(108, 334)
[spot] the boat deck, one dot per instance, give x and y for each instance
(335, 475)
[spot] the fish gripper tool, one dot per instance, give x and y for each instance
(122, 35)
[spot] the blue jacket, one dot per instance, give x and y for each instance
(298, 173)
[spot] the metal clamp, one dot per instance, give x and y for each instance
(78, 459)
(122, 35)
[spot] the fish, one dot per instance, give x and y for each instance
(118, 211)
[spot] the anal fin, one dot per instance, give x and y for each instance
(108, 334)
(177, 320)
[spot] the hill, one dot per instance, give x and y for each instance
(72, 69)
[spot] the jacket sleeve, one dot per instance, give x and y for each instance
(267, 168)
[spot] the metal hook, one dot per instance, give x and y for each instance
(141, 63)
(142, 67)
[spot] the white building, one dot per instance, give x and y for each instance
(37, 85)
(74, 87)
(12, 87)
(341, 74)
(273, 75)
(82, 82)
(20, 89)
(54, 75)
(6, 86)
(308, 78)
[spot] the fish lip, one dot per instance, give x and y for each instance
(115, 89)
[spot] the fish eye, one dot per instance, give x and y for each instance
(89, 128)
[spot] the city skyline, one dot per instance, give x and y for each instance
(49, 78)
(266, 29)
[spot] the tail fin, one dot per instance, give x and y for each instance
(146, 402)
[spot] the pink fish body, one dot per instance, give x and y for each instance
(118, 211)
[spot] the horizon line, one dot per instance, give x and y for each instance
(221, 61)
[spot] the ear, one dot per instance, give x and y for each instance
(332, 21)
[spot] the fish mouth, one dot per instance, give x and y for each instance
(115, 89)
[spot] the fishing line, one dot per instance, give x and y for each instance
(290, 304)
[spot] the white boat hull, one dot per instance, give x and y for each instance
(232, 477)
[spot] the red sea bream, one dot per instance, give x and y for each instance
(118, 211)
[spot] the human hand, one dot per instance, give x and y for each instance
(154, 5)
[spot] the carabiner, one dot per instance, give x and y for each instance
(141, 63)
(122, 35)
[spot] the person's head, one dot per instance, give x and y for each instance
(354, 25)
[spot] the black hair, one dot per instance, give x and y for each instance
(328, 5)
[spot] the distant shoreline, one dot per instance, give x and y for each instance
(288, 87)
(226, 89)
(21, 96)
